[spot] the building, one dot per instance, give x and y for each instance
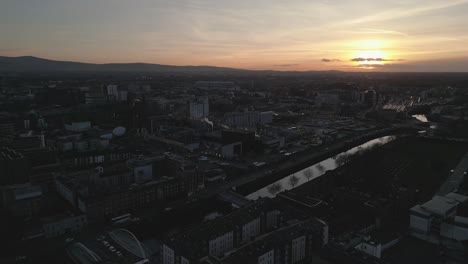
(291, 244)
(7, 128)
(22, 200)
(144, 168)
(14, 167)
(266, 117)
(78, 126)
(439, 217)
(99, 202)
(198, 108)
(247, 119)
(44, 164)
(63, 224)
(330, 97)
(99, 207)
(217, 85)
(116, 246)
(115, 94)
(227, 144)
(247, 138)
(74, 160)
(218, 238)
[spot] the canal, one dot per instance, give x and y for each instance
(316, 170)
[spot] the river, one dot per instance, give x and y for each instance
(421, 118)
(315, 170)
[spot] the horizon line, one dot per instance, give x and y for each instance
(220, 67)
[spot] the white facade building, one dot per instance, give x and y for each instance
(456, 230)
(113, 91)
(221, 244)
(251, 230)
(370, 248)
(199, 108)
(438, 216)
(248, 119)
(267, 258)
(168, 256)
(298, 249)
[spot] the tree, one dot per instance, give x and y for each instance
(308, 173)
(343, 159)
(293, 181)
(275, 188)
(321, 168)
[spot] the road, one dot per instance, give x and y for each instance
(456, 178)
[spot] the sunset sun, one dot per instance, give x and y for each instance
(371, 54)
(370, 58)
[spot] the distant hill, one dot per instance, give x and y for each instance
(34, 64)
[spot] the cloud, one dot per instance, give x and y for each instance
(402, 12)
(381, 31)
(455, 64)
(330, 60)
(374, 59)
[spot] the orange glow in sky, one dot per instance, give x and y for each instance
(413, 35)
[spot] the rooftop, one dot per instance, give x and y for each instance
(193, 239)
(272, 240)
(439, 205)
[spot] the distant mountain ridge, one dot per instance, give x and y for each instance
(35, 64)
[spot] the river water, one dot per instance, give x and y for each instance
(316, 170)
(421, 118)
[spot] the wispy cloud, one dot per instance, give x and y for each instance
(380, 31)
(255, 34)
(330, 60)
(403, 12)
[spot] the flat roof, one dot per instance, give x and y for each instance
(417, 210)
(439, 205)
(273, 240)
(457, 197)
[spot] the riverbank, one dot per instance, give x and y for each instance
(309, 157)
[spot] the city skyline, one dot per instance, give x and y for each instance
(277, 35)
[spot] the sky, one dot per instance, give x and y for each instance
(349, 35)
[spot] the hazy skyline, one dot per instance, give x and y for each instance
(397, 35)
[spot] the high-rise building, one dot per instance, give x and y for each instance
(198, 108)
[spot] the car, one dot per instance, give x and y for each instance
(70, 239)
